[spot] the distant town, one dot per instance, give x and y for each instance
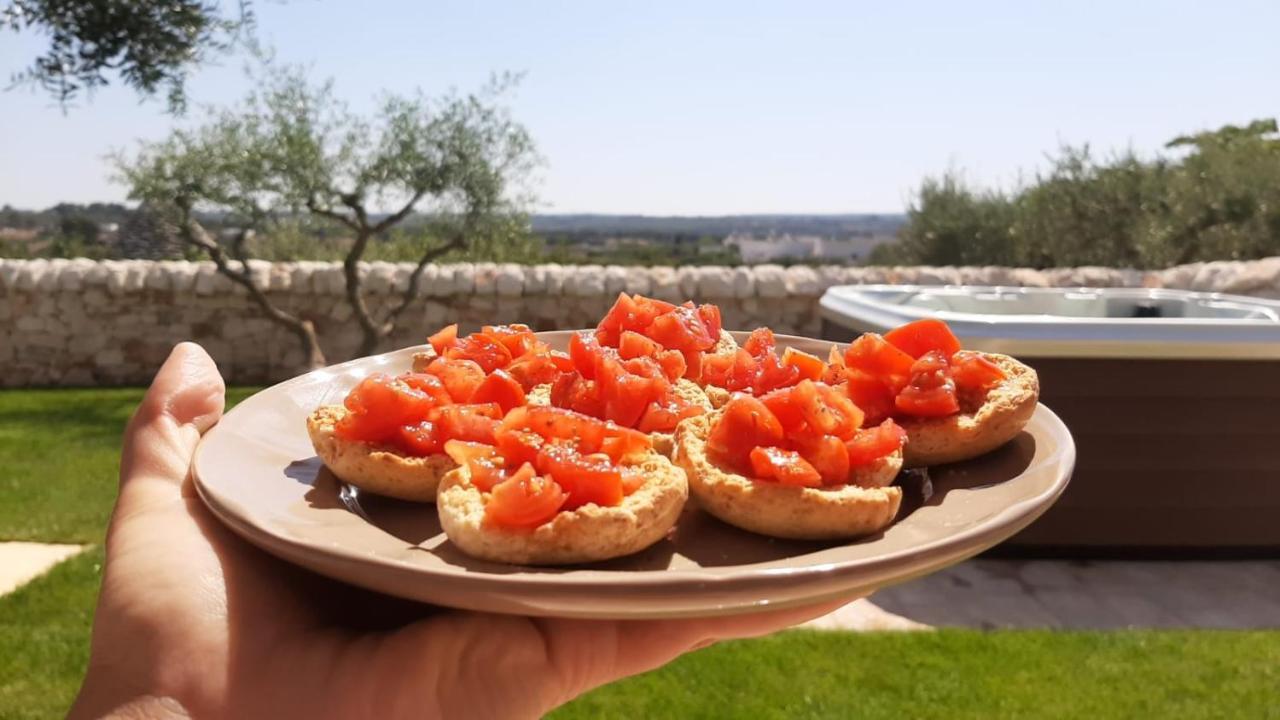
(117, 230)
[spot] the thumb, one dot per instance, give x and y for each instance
(185, 400)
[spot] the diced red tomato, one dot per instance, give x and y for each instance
(585, 352)
(627, 397)
(871, 444)
(785, 466)
(420, 439)
(429, 384)
(710, 317)
(872, 355)
(760, 341)
(473, 423)
(524, 501)
(446, 338)
(873, 397)
(557, 424)
(850, 415)
(835, 370)
(923, 336)
(809, 366)
(620, 443)
(829, 456)
(517, 446)
(972, 371)
(461, 377)
(664, 415)
(673, 364)
(485, 351)
(590, 478)
(634, 345)
(500, 388)
(533, 370)
(782, 403)
(379, 406)
(771, 374)
(928, 402)
(680, 329)
(517, 338)
(482, 462)
(561, 361)
(747, 423)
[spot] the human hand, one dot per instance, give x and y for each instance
(193, 621)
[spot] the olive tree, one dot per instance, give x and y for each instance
(292, 150)
(150, 44)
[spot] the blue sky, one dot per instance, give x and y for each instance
(730, 107)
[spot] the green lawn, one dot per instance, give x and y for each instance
(58, 454)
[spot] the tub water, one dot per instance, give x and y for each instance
(1173, 398)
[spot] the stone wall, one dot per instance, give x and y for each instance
(79, 322)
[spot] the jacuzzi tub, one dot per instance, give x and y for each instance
(1173, 398)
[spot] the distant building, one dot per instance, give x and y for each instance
(753, 249)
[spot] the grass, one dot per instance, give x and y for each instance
(58, 455)
(960, 674)
(59, 458)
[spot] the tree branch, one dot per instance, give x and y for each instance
(411, 292)
(401, 214)
(315, 208)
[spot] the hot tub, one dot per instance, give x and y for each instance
(1173, 398)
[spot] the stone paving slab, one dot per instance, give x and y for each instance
(22, 562)
(1092, 595)
(861, 616)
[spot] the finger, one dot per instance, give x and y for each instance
(185, 399)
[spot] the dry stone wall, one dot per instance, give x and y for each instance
(80, 322)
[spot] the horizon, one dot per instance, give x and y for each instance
(720, 110)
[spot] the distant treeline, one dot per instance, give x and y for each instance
(1211, 196)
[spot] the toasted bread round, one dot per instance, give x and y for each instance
(867, 504)
(375, 468)
(587, 534)
(985, 421)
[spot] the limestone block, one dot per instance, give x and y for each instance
(771, 281)
(687, 279)
(664, 284)
(615, 280)
(463, 279)
(744, 282)
(29, 275)
(585, 281)
(486, 278)
(509, 281)
(639, 281)
(802, 280)
(715, 282)
(183, 277)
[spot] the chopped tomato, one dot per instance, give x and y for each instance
(379, 406)
(517, 338)
(627, 397)
(873, 397)
(809, 366)
(747, 423)
(829, 456)
(673, 364)
(665, 415)
(931, 392)
(517, 446)
(571, 392)
(561, 361)
(620, 443)
(680, 329)
(446, 338)
(923, 336)
(473, 423)
(429, 384)
(485, 351)
(785, 466)
(710, 317)
(524, 501)
(715, 369)
(590, 478)
(760, 342)
(928, 402)
(482, 462)
(632, 479)
(835, 370)
(634, 345)
(555, 424)
(784, 406)
(693, 364)
(972, 371)
(872, 355)
(644, 367)
(420, 439)
(871, 444)
(850, 415)
(531, 371)
(771, 373)
(499, 387)
(461, 377)
(585, 352)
